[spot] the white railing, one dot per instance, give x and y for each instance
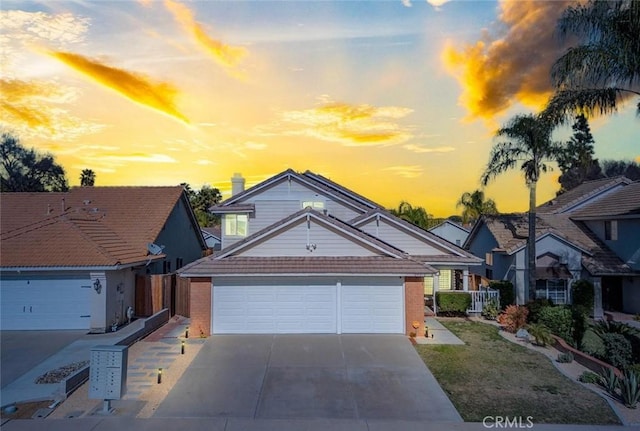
(479, 298)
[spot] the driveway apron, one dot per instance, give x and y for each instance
(308, 377)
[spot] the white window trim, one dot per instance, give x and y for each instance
(227, 219)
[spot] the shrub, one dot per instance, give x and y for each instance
(589, 377)
(491, 310)
(535, 306)
(617, 350)
(558, 320)
(609, 381)
(604, 327)
(565, 358)
(541, 334)
(507, 293)
(513, 318)
(630, 389)
(453, 303)
(579, 325)
(582, 294)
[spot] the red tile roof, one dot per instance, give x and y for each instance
(87, 226)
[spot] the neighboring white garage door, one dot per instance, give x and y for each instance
(307, 306)
(54, 303)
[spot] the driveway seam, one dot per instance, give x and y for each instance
(264, 378)
(349, 383)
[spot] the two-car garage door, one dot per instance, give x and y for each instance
(45, 303)
(308, 305)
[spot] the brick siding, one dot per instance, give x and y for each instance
(200, 307)
(414, 304)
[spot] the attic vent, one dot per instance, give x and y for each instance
(86, 201)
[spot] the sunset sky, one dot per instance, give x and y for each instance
(393, 99)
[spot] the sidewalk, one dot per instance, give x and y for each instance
(438, 334)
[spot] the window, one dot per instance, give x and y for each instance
(555, 290)
(316, 205)
(179, 262)
(488, 258)
(611, 230)
(458, 242)
(444, 282)
(235, 224)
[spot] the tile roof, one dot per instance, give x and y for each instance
(87, 226)
(575, 196)
(341, 265)
(621, 203)
(511, 233)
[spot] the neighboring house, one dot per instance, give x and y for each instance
(451, 231)
(70, 260)
(591, 232)
(212, 236)
(302, 254)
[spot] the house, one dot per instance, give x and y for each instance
(451, 231)
(591, 232)
(212, 236)
(71, 260)
(303, 254)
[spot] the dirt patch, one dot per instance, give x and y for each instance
(25, 410)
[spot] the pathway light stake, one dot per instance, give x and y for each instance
(182, 348)
(159, 375)
(426, 332)
(186, 333)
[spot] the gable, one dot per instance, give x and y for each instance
(403, 239)
(323, 240)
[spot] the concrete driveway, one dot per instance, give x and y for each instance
(23, 350)
(308, 377)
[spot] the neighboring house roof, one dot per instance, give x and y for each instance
(450, 251)
(585, 192)
(511, 232)
(214, 232)
(85, 227)
(387, 259)
(624, 202)
(317, 183)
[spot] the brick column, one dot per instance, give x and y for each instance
(414, 304)
(200, 306)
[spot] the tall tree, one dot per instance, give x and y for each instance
(576, 161)
(201, 201)
(25, 170)
(474, 205)
(416, 215)
(604, 67)
(87, 178)
(628, 168)
(528, 144)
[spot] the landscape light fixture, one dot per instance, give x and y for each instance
(186, 333)
(97, 286)
(182, 348)
(159, 375)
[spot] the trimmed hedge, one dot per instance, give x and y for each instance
(582, 295)
(453, 303)
(507, 293)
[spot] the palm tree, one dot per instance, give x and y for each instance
(415, 215)
(529, 145)
(475, 206)
(87, 178)
(594, 76)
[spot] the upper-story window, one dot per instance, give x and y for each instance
(316, 205)
(236, 224)
(611, 230)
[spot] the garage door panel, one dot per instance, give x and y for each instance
(373, 309)
(55, 303)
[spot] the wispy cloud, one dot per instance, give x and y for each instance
(205, 162)
(422, 149)
(499, 71)
(36, 109)
(134, 86)
(121, 159)
(405, 171)
(437, 3)
(348, 124)
(225, 55)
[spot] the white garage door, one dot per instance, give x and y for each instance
(58, 303)
(317, 306)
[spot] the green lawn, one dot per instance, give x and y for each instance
(490, 376)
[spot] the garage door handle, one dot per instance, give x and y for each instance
(24, 309)
(30, 309)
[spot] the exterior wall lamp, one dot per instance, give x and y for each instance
(97, 286)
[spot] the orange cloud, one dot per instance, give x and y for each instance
(133, 86)
(225, 55)
(497, 72)
(349, 125)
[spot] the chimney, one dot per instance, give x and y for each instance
(237, 184)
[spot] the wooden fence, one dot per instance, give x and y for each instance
(155, 292)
